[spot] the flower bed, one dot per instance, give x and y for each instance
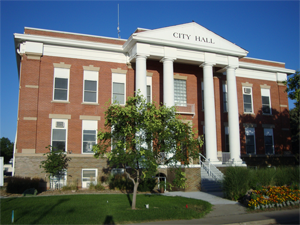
(272, 196)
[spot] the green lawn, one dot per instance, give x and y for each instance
(99, 209)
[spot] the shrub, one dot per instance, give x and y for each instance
(17, 185)
(236, 182)
(98, 187)
(121, 182)
(239, 180)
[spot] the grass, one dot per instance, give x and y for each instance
(99, 209)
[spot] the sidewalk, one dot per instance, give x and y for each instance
(231, 212)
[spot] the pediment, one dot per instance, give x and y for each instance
(189, 36)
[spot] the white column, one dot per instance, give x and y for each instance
(233, 117)
(210, 114)
(141, 75)
(168, 80)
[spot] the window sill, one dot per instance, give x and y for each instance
(249, 113)
(55, 101)
(89, 103)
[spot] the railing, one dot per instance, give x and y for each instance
(208, 168)
(188, 109)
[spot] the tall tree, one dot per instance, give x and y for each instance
(293, 90)
(137, 135)
(7, 149)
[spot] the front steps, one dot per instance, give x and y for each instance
(208, 183)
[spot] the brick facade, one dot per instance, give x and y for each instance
(36, 104)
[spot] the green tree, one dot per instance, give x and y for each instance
(56, 162)
(7, 149)
(293, 90)
(140, 133)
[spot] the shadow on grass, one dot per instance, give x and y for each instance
(47, 210)
(109, 220)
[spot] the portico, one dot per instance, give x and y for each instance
(209, 52)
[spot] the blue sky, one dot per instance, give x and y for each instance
(267, 29)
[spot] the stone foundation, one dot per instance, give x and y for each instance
(29, 166)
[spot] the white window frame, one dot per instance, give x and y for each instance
(58, 184)
(180, 104)
(86, 184)
(61, 73)
(225, 103)
(89, 75)
(54, 126)
(252, 111)
(118, 78)
(250, 131)
(265, 92)
(88, 125)
(149, 83)
(268, 132)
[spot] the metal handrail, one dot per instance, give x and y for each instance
(207, 168)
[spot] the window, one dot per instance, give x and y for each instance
(247, 95)
(269, 141)
(180, 92)
(250, 140)
(226, 139)
(149, 89)
(119, 88)
(90, 86)
(225, 103)
(59, 180)
(61, 84)
(89, 176)
(202, 94)
(89, 135)
(266, 103)
(59, 134)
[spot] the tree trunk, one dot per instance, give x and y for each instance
(136, 184)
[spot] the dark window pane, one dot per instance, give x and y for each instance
(90, 96)
(247, 99)
(88, 146)
(58, 145)
(90, 85)
(265, 100)
(61, 83)
(60, 94)
(268, 140)
(59, 135)
(266, 109)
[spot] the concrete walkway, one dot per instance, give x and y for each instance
(231, 212)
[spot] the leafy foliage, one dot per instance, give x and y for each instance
(138, 133)
(293, 89)
(56, 162)
(7, 148)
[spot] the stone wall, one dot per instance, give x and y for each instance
(29, 166)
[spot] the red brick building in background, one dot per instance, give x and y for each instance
(66, 79)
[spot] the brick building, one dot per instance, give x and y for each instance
(66, 79)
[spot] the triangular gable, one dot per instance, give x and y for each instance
(191, 36)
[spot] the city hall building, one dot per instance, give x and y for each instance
(238, 103)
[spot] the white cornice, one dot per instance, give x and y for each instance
(77, 34)
(265, 68)
(68, 42)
